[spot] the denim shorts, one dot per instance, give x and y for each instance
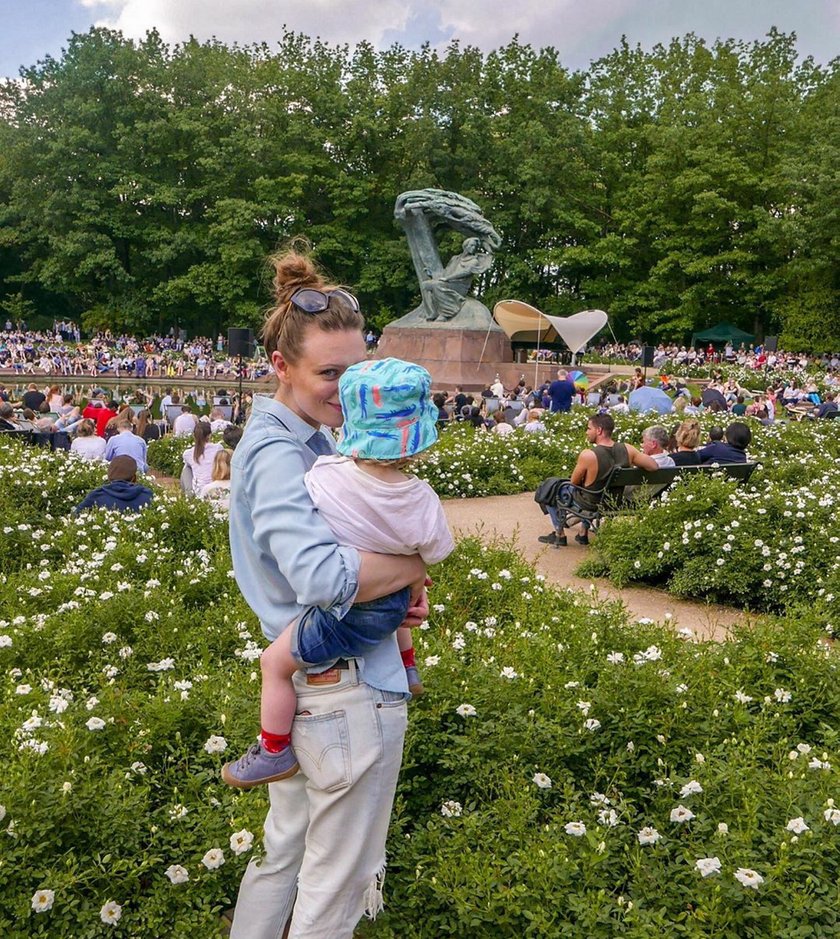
(319, 639)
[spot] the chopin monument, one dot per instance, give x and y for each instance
(450, 333)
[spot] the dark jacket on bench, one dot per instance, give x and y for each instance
(721, 452)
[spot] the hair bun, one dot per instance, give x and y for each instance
(294, 269)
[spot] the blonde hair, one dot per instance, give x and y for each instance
(285, 327)
(688, 434)
(221, 466)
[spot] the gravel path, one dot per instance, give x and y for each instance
(520, 518)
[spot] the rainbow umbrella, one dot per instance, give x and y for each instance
(579, 379)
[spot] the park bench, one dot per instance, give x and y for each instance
(24, 434)
(630, 486)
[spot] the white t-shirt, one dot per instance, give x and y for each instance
(504, 429)
(203, 470)
(184, 425)
(665, 460)
(372, 515)
(89, 448)
(217, 492)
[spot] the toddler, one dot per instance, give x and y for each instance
(371, 504)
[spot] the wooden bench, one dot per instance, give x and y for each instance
(646, 486)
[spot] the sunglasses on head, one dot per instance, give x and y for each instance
(311, 300)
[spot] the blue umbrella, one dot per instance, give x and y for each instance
(650, 399)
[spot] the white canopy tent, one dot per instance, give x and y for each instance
(524, 323)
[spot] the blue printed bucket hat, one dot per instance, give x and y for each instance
(388, 410)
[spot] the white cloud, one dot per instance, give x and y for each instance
(580, 31)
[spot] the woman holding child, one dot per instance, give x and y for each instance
(326, 828)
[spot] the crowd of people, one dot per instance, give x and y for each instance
(113, 432)
(756, 357)
(62, 351)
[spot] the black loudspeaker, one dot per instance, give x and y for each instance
(241, 342)
(647, 356)
(771, 344)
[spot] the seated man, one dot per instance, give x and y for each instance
(654, 441)
(126, 443)
(591, 472)
(121, 492)
(732, 450)
(829, 406)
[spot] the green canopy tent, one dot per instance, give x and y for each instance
(723, 333)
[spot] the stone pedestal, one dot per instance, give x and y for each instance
(470, 358)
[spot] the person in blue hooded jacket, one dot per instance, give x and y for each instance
(122, 491)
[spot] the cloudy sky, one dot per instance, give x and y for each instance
(581, 30)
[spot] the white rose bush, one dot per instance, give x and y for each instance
(624, 781)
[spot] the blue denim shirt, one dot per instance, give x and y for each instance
(285, 557)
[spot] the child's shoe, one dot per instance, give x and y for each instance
(258, 767)
(415, 682)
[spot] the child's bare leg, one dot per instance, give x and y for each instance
(404, 639)
(274, 758)
(278, 699)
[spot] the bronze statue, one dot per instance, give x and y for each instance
(444, 289)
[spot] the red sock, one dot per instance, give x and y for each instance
(274, 743)
(408, 658)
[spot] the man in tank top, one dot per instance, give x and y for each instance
(591, 472)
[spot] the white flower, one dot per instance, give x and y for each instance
(214, 858)
(2, 812)
(723, 828)
(584, 706)
(508, 672)
(139, 768)
(177, 874)
(690, 788)
(107, 639)
(797, 825)
(742, 698)
(432, 660)
(465, 710)
(830, 815)
(23, 689)
(615, 658)
(577, 829)
(163, 666)
(541, 780)
(66, 787)
(817, 763)
(215, 744)
(781, 695)
(803, 748)
(451, 809)
(110, 913)
(681, 814)
(608, 817)
(592, 723)
(58, 705)
(708, 865)
(749, 878)
(241, 841)
(648, 835)
(5, 642)
(178, 811)
(95, 723)
(42, 900)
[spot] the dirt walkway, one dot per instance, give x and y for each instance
(519, 516)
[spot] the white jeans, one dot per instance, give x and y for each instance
(325, 831)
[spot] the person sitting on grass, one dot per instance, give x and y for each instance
(121, 492)
(372, 504)
(127, 443)
(590, 473)
(87, 445)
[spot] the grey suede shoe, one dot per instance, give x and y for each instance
(258, 767)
